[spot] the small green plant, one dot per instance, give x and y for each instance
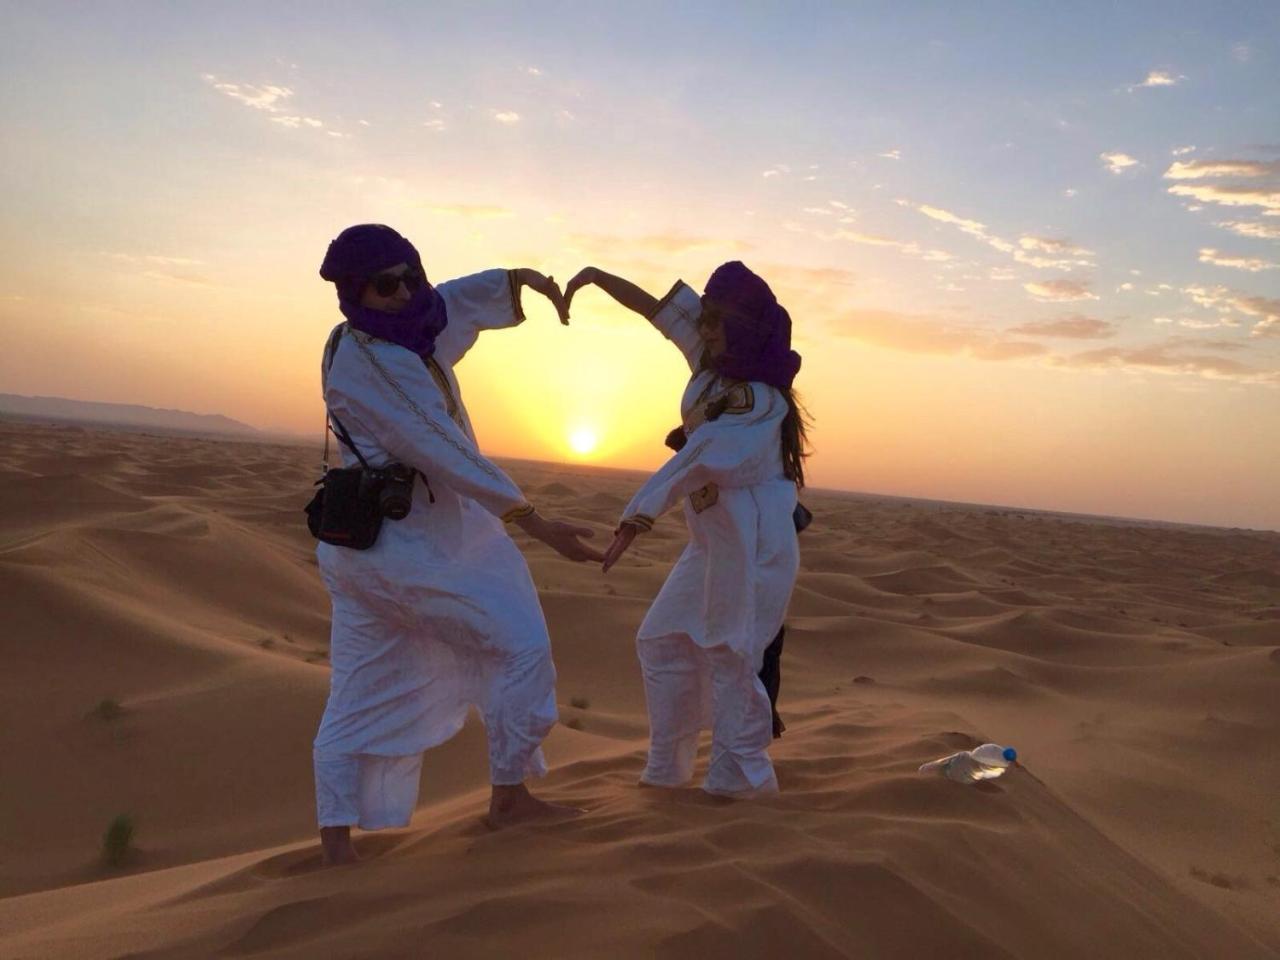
(117, 842)
(579, 703)
(108, 709)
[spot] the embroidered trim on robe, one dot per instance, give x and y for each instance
(518, 513)
(480, 462)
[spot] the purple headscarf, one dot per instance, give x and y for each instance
(757, 329)
(359, 252)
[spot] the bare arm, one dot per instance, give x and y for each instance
(564, 538)
(526, 277)
(624, 291)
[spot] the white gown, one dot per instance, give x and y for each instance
(702, 642)
(441, 613)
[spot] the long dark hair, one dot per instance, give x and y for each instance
(795, 437)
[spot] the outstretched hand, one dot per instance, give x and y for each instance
(548, 287)
(584, 277)
(564, 538)
(622, 539)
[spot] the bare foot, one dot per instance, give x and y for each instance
(336, 847)
(515, 804)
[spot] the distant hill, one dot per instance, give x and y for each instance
(121, 414)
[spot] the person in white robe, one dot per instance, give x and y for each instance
(739, 463)
(441, 613)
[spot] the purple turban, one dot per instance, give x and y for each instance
(353, 257)
(757, 329)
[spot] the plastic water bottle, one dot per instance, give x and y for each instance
(969, 766)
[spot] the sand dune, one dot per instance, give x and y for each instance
(165, 652)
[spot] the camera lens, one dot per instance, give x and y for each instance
(396, 498)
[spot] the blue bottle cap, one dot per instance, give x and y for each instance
(1010, 754)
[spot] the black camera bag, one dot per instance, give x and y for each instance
(346, 511)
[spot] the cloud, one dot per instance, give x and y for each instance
(914, 333)
(1158, 78)
(805, 281)
(1251, 228)
(534, 71)
(1248, 183)
(1066, 255)
(268, 97)
(1180, 355)
(1183, 151)
(294, 123)
(171, 276)
(153, 258)
(972, 227)
(1076, 327)
(1060, 291)
(1051, 245)
(506, 117)
(1117, 162)
(1232, 196)
(776, 171)
(663, 244)
(1252, 264)
(1264, 311)
(907, 247)
(435, 126)
(894, 154)
(472, 211)
(1177, 356)
(1242, 52)
(1202, 169)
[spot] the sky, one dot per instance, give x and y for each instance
(1031, 251)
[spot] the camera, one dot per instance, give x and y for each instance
(395, 496)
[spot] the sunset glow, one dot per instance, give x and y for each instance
(582, 440)
(1015, 277)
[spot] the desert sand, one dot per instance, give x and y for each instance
(1136, 667)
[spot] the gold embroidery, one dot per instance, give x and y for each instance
(704, 497)
(513, 284)
(742, 399)
(484, 466)
(450, 401)
(738, 398)
(518, 513)
(670, 296)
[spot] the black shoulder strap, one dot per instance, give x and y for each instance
(330, 349)
(345, 437)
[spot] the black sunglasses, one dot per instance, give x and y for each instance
(386, 284)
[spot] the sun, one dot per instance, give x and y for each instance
(582, 440)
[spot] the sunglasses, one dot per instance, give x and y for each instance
(386, 284)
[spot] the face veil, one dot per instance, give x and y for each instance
(359, 252)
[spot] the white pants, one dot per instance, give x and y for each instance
(397, 690)
(685, 686)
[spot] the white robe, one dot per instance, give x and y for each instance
(441, 613)
(702, 642)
